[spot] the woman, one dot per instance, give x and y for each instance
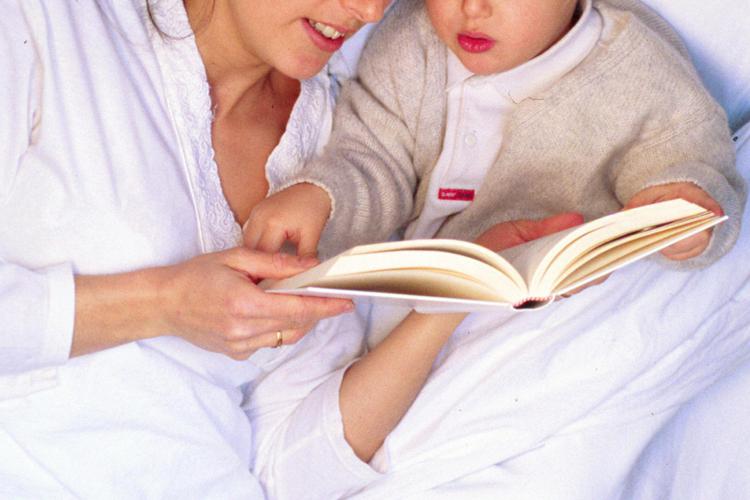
(132, 151)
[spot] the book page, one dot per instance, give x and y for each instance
(643, 237)
(533, 259)
(612, 233)
(420, 282)
(618, 256)
(605, 229)
(420, 272)
(458, 247)
(525, 258)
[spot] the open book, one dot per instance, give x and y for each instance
(453, 275)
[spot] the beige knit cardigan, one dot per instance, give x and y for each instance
(633, 114)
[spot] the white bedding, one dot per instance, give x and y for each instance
(703, 451)
(559, 403)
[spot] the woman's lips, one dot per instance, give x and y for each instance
(475, 42)
(322, 42)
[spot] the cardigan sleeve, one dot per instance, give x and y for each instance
(683, 134)
(299, 448)
(36, 305)
(367, 167)
(699, 151)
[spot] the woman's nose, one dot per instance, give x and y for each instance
(477, 8)
(366, 11)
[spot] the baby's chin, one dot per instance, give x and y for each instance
(487, 63)
(484, 64)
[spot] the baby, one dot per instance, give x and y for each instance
(468, 113)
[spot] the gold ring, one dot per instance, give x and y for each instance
(279, 339)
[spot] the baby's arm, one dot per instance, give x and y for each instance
(694, 160)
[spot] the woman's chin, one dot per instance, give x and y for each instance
(304, 67)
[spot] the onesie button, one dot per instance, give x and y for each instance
(470, 139)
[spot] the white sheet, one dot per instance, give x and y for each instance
(703, 452)
(558, 403)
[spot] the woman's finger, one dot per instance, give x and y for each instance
(275, 339)
(302, 310)
(267, 265)
(509, 234)
(597, 281)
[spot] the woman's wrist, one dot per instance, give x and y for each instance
(116, 309)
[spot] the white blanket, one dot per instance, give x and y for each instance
(703, 451)
(558, 403)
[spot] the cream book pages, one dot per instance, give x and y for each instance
(452, 275)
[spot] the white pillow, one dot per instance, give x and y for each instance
(717, 34)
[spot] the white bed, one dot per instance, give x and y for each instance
(704, 451)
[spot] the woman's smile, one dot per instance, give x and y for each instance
(326, 37)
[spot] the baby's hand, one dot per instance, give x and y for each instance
(297, 214)
(695, 245)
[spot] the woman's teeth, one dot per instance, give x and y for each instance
(325, 30)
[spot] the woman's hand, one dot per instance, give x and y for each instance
(509, 234)
(215, 304)
(211, 301)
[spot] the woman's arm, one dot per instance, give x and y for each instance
(210, 301)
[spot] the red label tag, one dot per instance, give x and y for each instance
(456, 194)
